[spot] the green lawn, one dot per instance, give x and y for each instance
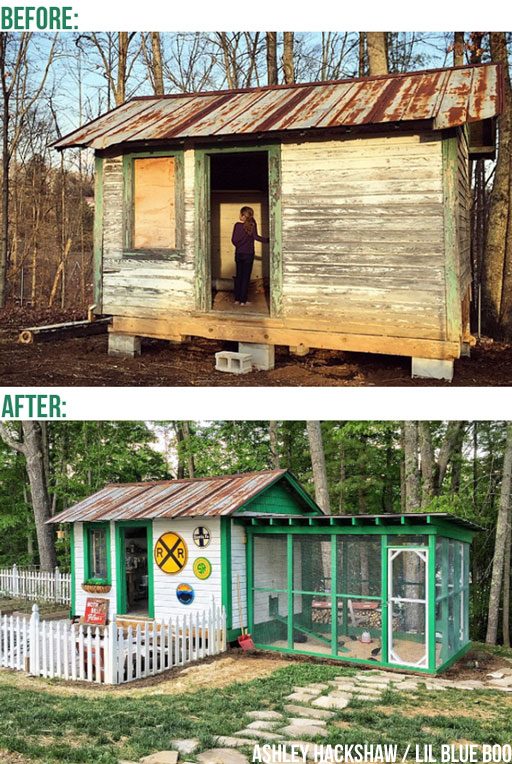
(54, 726)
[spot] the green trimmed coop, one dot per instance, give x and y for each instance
(389, 590)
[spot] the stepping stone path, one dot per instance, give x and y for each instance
(308, 709)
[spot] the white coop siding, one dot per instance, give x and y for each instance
(80, 595)
(166, 603)
(238, 568)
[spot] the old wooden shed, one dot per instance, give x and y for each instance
(389, 589)
(362, 186)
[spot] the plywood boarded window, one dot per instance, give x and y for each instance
(154, 203)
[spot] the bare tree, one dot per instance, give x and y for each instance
(497, 263)
(117, 60)
(377, 53)
(316, 448)
(288, 60)
(32, 448)
(151, 46)
(15, 82)
(271, 45)
(502, 531)
(458, 48)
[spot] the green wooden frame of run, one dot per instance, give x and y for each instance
(120, 527)
(202, 213)
(178, 252)
(436, 534)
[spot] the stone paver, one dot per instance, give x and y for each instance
(188, 745)
(222, 756)
(328, 701)
(233, 742)
(258, 734)
(314, 713)
(301, 697)
(302, 722)
(310, 730)
(259, 724)
(161, 757)
(265, 715)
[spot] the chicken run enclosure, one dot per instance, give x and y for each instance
(392, 590)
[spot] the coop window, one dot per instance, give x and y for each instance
(97, 552)
(154, 206)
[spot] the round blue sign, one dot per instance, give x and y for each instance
(185, 594)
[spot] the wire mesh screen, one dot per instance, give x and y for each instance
(452, 598)
(270, 594)
(312, 583)
(359, 566)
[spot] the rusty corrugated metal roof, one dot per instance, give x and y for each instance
(445, 97)
(196, 497)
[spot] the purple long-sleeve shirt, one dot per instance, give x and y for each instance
(243, 241)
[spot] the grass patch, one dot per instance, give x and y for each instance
(101, 729)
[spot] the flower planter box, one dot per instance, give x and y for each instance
(97, 588)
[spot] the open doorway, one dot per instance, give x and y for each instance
(136, 571)
(237, 180)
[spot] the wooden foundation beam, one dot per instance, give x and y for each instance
(259, 331)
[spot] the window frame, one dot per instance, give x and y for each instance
(88, 528)
(155, 253)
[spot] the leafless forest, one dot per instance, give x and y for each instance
(51, 84)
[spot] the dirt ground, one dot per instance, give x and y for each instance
(84, 362)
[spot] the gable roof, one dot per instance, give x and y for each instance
(218, 496)
(443, 97)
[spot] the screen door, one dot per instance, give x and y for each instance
(408, 611)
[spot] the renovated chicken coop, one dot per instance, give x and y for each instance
(362, 187)
(391, 590)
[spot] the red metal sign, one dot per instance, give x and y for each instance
(96, 611)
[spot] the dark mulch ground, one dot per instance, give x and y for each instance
(84, 361)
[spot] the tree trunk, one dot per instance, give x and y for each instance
(458, 48)
(191, 467)
(427, 463)
(377, 53)
(157, 64)
(500, 542)
(343, 475)
(274, 445)
(412, 478)
(288, 62)
(4, 256)
(506, 587)
(271, 38)
(453, 433)
(362, 55)
(494, 263)
(316, 448)
(34, 454)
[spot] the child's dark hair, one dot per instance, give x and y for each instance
(249, 224)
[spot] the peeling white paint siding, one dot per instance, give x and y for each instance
(144, 288)
(238, 568)
(80, 595)
(363, 238)
(166, 602)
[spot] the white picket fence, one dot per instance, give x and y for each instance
(36, 585)
(111, 654)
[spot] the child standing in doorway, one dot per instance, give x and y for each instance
(245, 233)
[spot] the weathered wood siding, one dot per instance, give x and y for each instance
(363, 241)
(144, 288)
(463, 211)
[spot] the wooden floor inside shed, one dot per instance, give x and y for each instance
(259, 303)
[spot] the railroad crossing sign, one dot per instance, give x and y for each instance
(201, 536)
(202, 568)
(171, 553)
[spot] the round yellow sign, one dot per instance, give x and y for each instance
(171, 553)
(202, 568)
